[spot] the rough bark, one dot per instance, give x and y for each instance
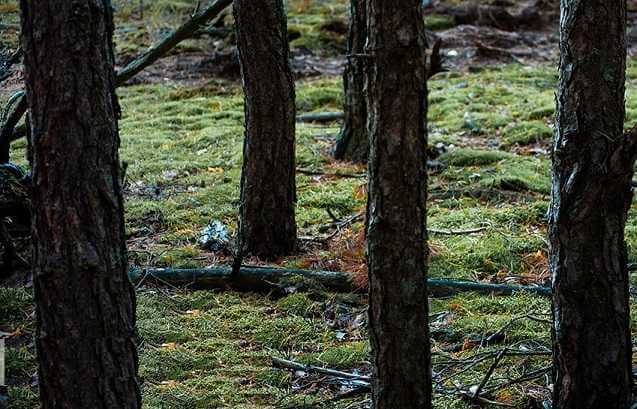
(352, 143)
(85, 304)
(592, 170)
(396, 227)
(267, 223)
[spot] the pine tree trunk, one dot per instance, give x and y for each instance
(267, 225)
(352, 143)
(396, 227)
(592, 170)
(85, 303)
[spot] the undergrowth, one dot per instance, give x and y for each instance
(183, 147)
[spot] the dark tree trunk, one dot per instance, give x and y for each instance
(396, 227)
(85, 303)
(592, 170)
(267, 226)
(352, 143)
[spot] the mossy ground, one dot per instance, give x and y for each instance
(183, 146)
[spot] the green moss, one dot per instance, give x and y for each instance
(298, 304)
(439, 22)
(202, 349)
(350, 355)
(524, 133)
(20, 362)
(472, 157)
(23, 398)
(545, 112)
(521, 174)
(15, 305)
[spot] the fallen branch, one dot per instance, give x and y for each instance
(185, 31)
(297, 366)
(488, 194)
(495, 364)
(456, 232)
(252, 278)
(320, 117)
(330, 174)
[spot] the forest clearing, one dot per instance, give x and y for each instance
(301, 344)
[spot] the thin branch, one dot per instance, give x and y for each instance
(495, 364)
(456, 232)
(297, 366)
(185, 31)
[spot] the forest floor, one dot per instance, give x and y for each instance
(490, 126)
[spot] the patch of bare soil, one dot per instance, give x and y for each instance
(501, 32)
(193, 68)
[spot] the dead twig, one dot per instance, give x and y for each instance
(330, 174)
(495, 364)
(185, 31)
(456, 232)
(297, 366)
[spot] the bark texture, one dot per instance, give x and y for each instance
(396, 227)
(267, 223)
(592, 169)
(85, 304)
(352, 143)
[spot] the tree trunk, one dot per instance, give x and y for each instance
(267, 226)
(592, 170)
(85, 304)
(396, 227)
(352, 143)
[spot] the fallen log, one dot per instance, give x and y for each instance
(254, 278)
(251, 278)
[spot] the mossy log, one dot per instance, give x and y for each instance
(253, 278)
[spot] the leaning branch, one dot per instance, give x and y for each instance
(185, 31)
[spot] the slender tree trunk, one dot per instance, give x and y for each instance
(396, 227)
(267, 226)
(85, 303)
(352, 143)
(592, 170)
